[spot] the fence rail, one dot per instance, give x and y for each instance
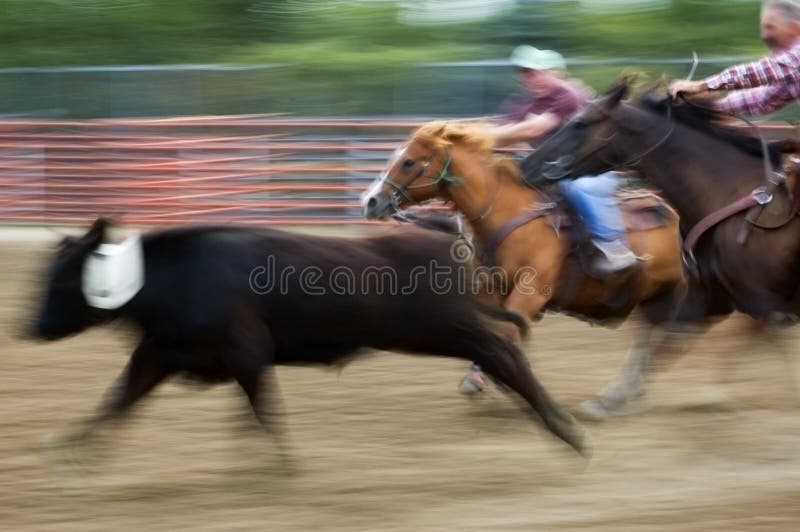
(242, 168)
(245, 168)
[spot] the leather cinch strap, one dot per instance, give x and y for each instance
(512, 225)
(754, 198)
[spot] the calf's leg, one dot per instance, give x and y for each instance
(145, 371)
(503, 361)
(249, 356)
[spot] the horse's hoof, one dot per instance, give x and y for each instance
(582, 448)
(593, 410)
(713, 399)
(62, 473)
(469, 388)
(48, 442)
(573, 434)
(598, 409)
(473, 383)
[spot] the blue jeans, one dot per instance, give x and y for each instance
(593, 198)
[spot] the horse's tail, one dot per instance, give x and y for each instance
(502, 314)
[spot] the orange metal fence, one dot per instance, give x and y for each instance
(244, 168)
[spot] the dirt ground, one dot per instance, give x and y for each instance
(389, 444)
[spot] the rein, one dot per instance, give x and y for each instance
(757, 199)
(768, 169)
(442, 176)
(635, 160)
(497, 237)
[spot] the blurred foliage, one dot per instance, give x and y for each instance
(330, 32)
(711, 27)
(336, 57)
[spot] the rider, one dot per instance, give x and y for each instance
(546, 102)
(766, 85)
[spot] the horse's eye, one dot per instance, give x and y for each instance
(408, 163)
(580, 125)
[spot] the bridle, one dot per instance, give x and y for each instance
(399, 191)
(630, 163)
(634, 161)
(442, 177)
(769, 171)
(755, 199)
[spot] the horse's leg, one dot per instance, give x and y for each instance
(696, 311)
(615, 396)
(503, 361)
(688, 311)
(774, 333)
(792, 365)
(526, 305)
(630, 382)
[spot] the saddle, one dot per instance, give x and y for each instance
(783, 191)
(642, 210)
(769, 206)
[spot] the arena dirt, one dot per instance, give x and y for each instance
(389, 444)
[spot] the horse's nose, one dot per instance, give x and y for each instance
(369, 205)
(558, 168)
(375, 207)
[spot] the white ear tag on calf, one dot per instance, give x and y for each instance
(113, 273)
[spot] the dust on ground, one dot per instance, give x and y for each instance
(389, 444)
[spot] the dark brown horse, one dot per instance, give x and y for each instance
(525, 244)
(741, 233)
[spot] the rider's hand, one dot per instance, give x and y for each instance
(683, 86)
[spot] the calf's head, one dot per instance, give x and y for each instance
(63, 310)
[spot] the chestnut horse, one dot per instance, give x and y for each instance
(530, 251)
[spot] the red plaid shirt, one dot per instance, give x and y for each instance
(769, 84)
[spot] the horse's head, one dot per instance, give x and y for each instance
(418, 171)
(64, 310)
(583, 146)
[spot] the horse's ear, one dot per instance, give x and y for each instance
(432, 131)
(97, 232)
(442, 130)
(616, 93)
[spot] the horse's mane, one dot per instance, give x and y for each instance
(472, 135)
(699, 114)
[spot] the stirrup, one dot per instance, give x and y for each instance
(615, 257)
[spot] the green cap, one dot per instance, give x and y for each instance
(527, 56)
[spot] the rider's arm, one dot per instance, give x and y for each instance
(533, 127)
(779, 69)
(755, 102)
